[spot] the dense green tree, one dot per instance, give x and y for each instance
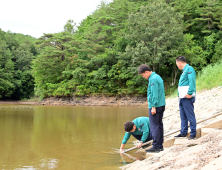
(7, 86)
(154, 34)
(23, 56)
(108, 21)
(57, 60)
(70, 27)
(208, 16)
(16, 53)
(101, 55)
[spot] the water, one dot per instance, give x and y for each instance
(63, 138)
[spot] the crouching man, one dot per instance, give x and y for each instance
(139, 128)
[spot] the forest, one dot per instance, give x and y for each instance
(100, 56)
(17, 53)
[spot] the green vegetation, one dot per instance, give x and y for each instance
(101, 55)
(210, 76)
(32, 99)
(16, 54)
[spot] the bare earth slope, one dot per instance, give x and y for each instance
(207, 104)
(204, 153)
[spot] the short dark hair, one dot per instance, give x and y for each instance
(143, 68)
(181, 59)
(128, 126)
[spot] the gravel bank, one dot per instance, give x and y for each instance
(207, 104)
(95, 101)
(202, 154)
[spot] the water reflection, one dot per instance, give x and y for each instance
(49, 163)
(52, 137)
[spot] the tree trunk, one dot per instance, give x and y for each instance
(63, 56)
(175, 76)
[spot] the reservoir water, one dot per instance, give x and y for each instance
(64, 137)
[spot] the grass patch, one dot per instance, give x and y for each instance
(171, 92)
(210, 77)
(33, 99)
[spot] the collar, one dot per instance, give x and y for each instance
(151, 75)
(187, 65)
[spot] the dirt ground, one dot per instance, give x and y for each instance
(204, 153)
(95, 101)
(207, 104)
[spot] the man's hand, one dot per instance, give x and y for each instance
(153, 110)
(139, 145)
(121, 148)
(188, 96)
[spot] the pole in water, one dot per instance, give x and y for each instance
(136, 147)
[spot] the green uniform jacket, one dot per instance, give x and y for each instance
(155, 91)
(142, 128)
(188, 78)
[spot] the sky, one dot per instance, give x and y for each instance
(35, 17)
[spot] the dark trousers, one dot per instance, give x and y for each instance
(156, 126)
(187, 114)
(138, 137)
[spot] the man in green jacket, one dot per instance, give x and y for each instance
(187, 93)
(139, 128)
(156, 103)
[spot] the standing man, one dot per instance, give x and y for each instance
(156, 103)
(187, 92)
(140, 129)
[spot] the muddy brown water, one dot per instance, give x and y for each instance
(64, 137)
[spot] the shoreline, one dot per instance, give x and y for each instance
(18, 102)
(95, 101)
(135, 101)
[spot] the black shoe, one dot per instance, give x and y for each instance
(146, 146)
(154, 150)
(192, 137)
(161, 149)
(180, 136)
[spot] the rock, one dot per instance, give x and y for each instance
(134, 165)
(186, 160)
(220, 144)
(157, 165)
(168, 157)
(192, 151)
(191, 167)
(181, 141)
(214, 165)
(205, 131)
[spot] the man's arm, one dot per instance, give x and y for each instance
(146, 131)
(125, 139)
(154, 95)
(192, 82)
(121, 148)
